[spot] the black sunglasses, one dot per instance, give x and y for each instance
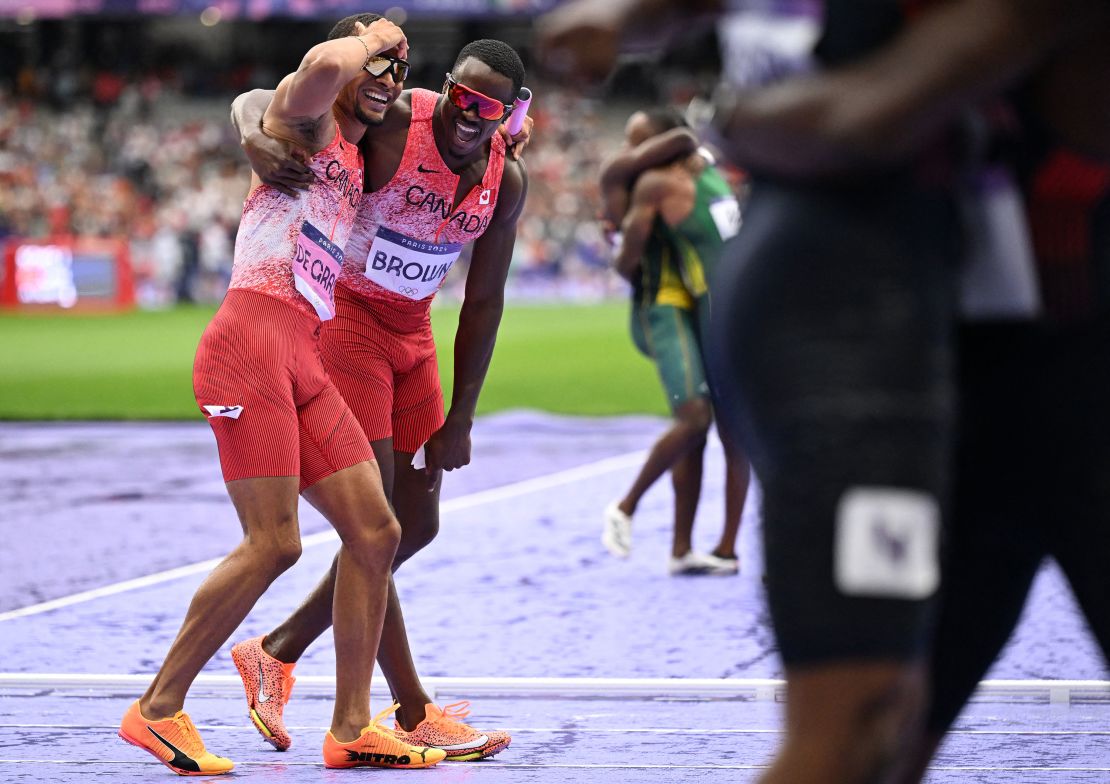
(382, 63)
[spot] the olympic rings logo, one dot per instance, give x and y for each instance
(407, 291)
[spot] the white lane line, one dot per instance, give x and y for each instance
(1073, 692)
(505, 492)
(564, 730)
(1014, 769)
(110, 590)
(484, 764)
(495, 764)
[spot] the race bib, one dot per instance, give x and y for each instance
(316, 267)
(411, 268)
(887, 542)
(726, 214)
(999, 280)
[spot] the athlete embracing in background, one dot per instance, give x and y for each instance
(675, 211)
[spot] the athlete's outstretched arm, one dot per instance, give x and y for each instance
(882, 109)
(301, 108)
(483, 304)
(638, 222)
(620, 171)
(277, 162)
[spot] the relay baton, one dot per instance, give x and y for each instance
(520, 111)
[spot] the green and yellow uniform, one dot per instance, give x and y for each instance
(671, 295)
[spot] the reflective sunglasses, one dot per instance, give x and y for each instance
(381, 64)
(464, 97)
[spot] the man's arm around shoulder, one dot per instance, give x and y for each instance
(636, 227)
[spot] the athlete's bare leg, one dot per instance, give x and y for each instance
(291, 638)
(354, 502)
(914, 764)
(691, 423)
(267, 509)
(846, 723)
(686, 475)
(417, 507)
(416, 500)
(738, 474)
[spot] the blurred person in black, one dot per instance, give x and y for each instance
(916, 321)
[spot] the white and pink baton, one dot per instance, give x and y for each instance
(520, 111)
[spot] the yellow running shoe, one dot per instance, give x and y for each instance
(174, 741)
(442, 728)
(267, 683)
(377, 747)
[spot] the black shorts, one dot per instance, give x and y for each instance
(831, 344)
(1033, 480)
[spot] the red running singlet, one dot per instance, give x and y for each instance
(257, 373)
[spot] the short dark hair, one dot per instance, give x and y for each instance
(665, 118)
(346, 26)
(498, 55)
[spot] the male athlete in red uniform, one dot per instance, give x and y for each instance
(437, 178)
(282, 427)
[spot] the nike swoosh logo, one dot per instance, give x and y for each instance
(262, 695)
(478, 742)
(180, 759)
(420, 168)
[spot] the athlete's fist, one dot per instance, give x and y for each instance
(381, 35)
(448, 448)
(515, 144)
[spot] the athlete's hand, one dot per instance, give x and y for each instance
(384, 35)
(278, 163)
(448, 448)
(516, 144)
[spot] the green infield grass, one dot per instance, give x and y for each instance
(573, 359)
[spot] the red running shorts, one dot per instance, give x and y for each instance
(259, 379)
(387, 372)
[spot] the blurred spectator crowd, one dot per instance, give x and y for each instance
(142, 158)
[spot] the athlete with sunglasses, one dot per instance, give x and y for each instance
(437, 178)
(282, 427)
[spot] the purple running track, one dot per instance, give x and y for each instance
(516, 585)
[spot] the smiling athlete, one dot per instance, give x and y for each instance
(280, 424)
(437, 178)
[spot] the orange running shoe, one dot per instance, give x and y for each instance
(442, 728)
(377, 747)
(267, 683)
(174, 741)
